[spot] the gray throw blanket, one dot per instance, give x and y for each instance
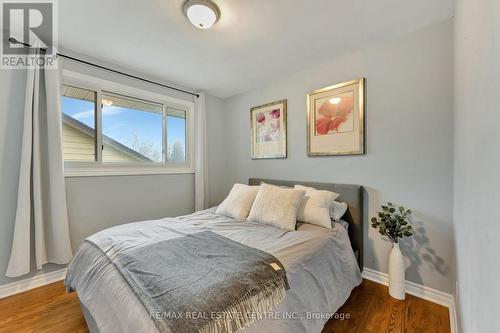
(201, 282)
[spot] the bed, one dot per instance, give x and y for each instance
(322, 267)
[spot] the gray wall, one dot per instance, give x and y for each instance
(215, 109)
(94, 203)
(477, 162)
(409, 159)
(409, 137)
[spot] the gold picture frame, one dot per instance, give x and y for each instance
(335, 120)
(268, 130)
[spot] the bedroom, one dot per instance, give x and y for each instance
(137, 113)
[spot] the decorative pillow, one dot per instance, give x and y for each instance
(306, 188)
(337, 210)
(277, 206)
(315, 208)
(239, 201)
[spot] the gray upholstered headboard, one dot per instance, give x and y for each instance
(351, 194)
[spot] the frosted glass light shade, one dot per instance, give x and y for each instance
(201, 13)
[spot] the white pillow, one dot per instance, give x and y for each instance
(239, 201)
(306, 188)
(337, 210)
(315, 208)
(277, 206)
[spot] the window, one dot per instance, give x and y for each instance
(132, 130)
(78, 118)
(176, 135)
(124, 133)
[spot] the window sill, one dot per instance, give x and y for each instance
(102, 172)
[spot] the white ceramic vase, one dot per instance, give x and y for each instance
(396, 273)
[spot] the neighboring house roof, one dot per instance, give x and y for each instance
(70, 121)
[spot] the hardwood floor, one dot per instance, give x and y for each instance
(42, 310)
(370, 308)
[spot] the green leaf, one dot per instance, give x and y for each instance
(392, 222)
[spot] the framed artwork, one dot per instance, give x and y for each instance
(268, 124)
(335, 120)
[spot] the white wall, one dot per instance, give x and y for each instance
(409, 137)
(94, 203)
(477, 162)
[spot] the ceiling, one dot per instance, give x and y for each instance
(255, 41)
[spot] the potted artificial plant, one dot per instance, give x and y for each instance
(393, 223)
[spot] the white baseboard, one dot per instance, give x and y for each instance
(420, 291)
(32, 282)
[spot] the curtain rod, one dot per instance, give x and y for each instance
(15, 41)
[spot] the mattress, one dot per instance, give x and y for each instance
(320, 265)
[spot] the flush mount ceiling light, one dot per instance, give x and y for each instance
(201, 13)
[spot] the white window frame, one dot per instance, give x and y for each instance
(98, 168)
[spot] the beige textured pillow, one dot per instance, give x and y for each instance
(238, 202)
(277, 206)
(316, 206)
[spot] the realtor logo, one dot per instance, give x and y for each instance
(26, 27)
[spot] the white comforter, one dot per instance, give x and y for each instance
(320, 265)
